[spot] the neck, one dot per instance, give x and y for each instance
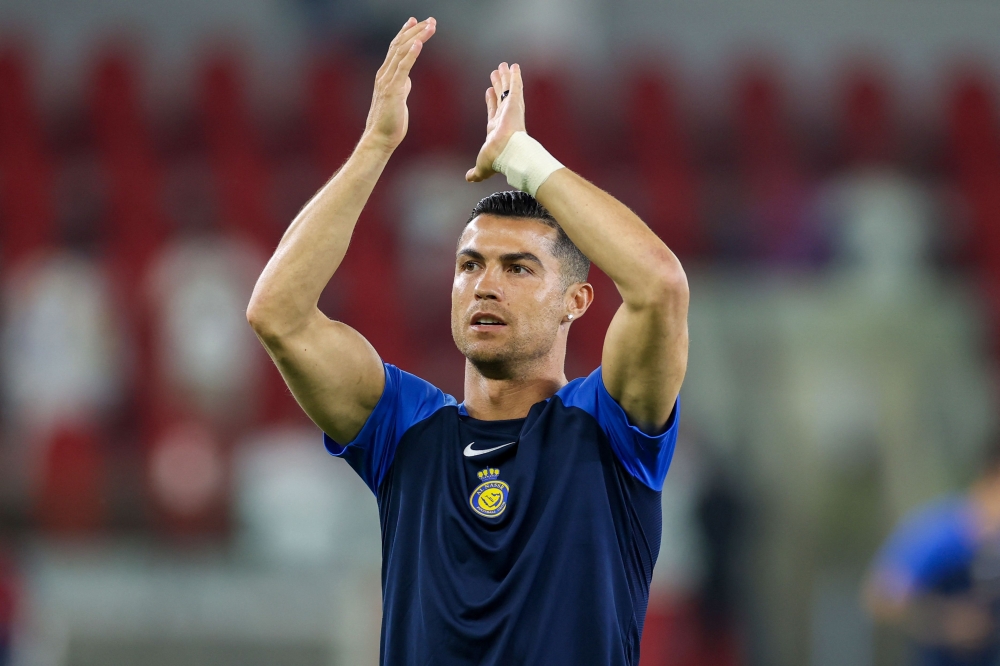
(510, 395)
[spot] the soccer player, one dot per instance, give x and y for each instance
(520, 526)
(937, 577)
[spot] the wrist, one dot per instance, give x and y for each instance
(376, 146)
(525, 162)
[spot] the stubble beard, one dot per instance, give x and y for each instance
(508, 360)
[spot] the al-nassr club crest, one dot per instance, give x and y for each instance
(489, 499)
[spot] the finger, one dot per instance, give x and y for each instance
(401, 46)
(491, 103)
(504, 77)
(497, 84)
(410, 22)
(516, 83)
(410, 57)
(419, 32)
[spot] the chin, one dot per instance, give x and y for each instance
(499, 361)
(480, 353)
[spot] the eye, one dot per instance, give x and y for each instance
(518, 269)
(469, 266)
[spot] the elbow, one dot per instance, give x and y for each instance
(673, 283)
(264, 318)
(275, 320)
(665, 287)
(257, 317)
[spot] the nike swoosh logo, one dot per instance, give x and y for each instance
(471, 452)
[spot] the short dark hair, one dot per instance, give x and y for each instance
(512, 203)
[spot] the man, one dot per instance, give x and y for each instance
(522, 525)
(937, 578)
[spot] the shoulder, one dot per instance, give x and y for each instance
(933, 536)
(947, 515)
(646, 456)
(406, 401)
(412, 391)
(589, 394)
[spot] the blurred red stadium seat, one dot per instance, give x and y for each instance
(240, 170)
(436, 111)
(335, 122)
(71, 497)
(126, 152)
(26, 204)
(771, 173)
(665, 163)
(974, 152)
(973, 137)
(867, 122)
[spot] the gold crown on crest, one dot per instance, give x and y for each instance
(489, 474)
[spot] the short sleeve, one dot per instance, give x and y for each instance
(927, 546)
(406, 400)
(646, 457)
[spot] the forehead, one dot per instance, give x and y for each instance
(489, 234)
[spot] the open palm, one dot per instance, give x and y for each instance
(503, 118)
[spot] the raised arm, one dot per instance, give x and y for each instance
(332, 371)
(645, 349)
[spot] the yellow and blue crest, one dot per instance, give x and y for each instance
(489, 499)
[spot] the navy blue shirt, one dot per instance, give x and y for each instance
(529, 542)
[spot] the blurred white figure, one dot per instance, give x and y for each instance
(298, 506)
(62, 356)
(885, 223)
(206, 351)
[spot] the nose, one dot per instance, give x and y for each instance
(488, 285)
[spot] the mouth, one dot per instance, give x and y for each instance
(484, 321)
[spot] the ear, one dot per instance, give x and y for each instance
(579, 296)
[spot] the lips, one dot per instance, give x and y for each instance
(486, 321)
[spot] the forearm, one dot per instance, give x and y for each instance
(314, 245)
(613, 237)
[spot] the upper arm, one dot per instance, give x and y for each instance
(335, 375)
(645, 355)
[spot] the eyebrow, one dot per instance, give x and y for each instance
(508, 258)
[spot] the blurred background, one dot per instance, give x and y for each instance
(827, 171)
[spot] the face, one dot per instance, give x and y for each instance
(508, 299)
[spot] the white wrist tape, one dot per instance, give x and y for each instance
(525, 163)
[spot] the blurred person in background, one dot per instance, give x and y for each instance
(521, 526)
(937, 577)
